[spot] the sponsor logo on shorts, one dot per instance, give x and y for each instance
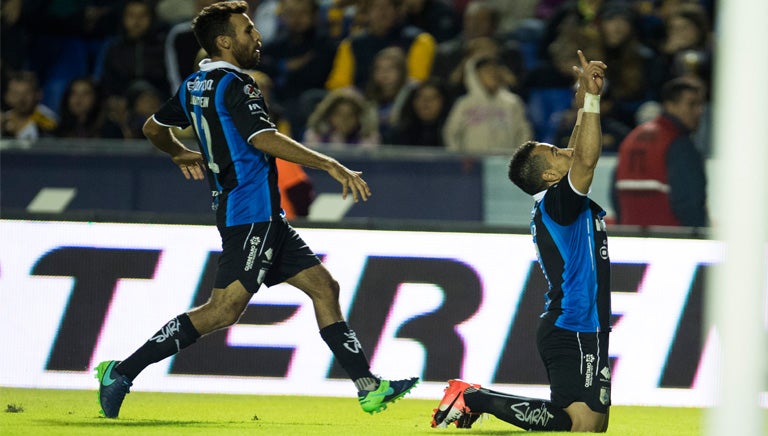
(605, 396)
(590, 359)
(254, 242)
(606, 373)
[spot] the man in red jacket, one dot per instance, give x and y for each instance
(660, 176)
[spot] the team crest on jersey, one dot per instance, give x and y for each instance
(252, 91)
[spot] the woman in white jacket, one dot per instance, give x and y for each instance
(489, 117)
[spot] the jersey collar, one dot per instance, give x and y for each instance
(208, 65)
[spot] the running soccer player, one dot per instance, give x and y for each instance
(572, 246)
(239, 145)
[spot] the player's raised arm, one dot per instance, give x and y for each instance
(587, 137)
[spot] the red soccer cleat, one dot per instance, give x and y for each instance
(452, 407)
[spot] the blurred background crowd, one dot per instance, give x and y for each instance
(463, 75)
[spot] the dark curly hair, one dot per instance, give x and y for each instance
(213, 21)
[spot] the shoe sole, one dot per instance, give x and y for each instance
(452, 415)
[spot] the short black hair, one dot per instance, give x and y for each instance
(213, 21)
(672, 90)
(525, 169)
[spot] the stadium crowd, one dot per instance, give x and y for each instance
(475, 76)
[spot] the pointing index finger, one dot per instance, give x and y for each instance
(582, 59)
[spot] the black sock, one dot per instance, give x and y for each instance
(177, 334)
(344, 344)
(526, 413)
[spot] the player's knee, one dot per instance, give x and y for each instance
(334, 289)
(328, 291)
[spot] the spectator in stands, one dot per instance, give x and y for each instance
(545, 9)
(436, 17)
(4, 78)
(422, 117)
(181, 47)
(143, 98)
(514, 13)
(14, 36)
(27, 117)
(299, 60)
(138, 53)
(82, 114)
(339, 18)
(479, 34)
(573, 18)
(660, 175)
(117, 111)
(653, 16)
(489, 117)
(266, 19)
(384, 28)
(173, 12)
(65, 40)
(634, 76)
(343, 119)
(687, 52)
(387, 88)
(687, 49)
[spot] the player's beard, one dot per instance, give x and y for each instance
(246, 58)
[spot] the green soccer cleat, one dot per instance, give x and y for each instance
(388, 391)
(112, 388)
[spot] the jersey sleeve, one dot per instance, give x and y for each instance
(250, 114)
(171, 114)
(563, 203)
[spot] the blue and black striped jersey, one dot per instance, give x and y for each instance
(572, 246)
(226, 109)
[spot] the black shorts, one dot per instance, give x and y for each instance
(577, 366)
(269, 253)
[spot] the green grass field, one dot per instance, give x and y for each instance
(66, 412)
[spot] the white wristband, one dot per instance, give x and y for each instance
(591, 103)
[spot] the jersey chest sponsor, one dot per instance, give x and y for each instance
(200, 85)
